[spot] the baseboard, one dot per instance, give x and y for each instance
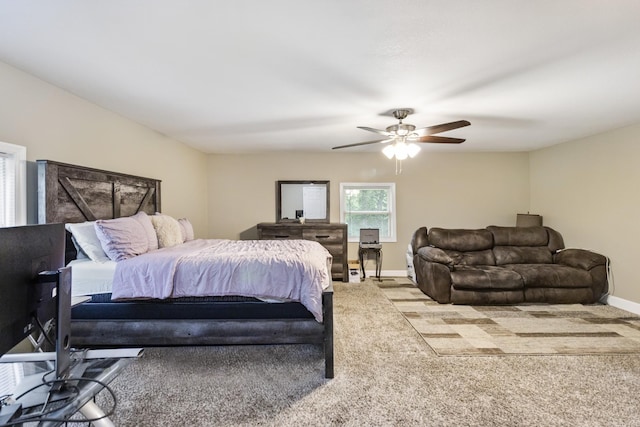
(388, 273)
(623, 304)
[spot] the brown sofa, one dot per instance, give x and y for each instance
(505, 265)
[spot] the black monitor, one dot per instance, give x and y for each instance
(25, 297)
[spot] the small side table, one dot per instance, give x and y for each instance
(377, 252)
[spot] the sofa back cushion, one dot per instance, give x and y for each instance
(460, 240)
(522, 255)
(519, 236)
(525, 245)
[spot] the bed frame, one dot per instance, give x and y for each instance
(68, 193)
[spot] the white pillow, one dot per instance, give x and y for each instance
(168, 230)
(86, 241)
(187, 229)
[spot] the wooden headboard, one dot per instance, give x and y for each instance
(69, 193)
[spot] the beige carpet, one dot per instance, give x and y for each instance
(462, 330)
(386, 375)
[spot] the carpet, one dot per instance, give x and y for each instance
(386, 375)
(553, 329)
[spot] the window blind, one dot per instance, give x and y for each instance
(7, 190)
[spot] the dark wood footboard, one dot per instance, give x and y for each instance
(149, 324)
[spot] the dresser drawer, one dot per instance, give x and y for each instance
(324, 235)
(280, 233)
(332, 236)
(335, 249)
(337, 271)
(337, 263)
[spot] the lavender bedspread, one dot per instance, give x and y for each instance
(295, 270)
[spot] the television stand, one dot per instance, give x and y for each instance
(51, 396)
(90, 371)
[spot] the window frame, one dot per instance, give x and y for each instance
(390, 187)
(18, 154)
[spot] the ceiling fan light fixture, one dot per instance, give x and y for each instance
(389, 151)
(400, 137)
(413, 149)
(401, 150)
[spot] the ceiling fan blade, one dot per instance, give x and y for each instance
(439, 139)
(381, 132)
(442, 127)
(381, 141)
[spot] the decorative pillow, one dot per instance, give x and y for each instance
(122, 238)
(187, 229)
(167, 229)
(84, 237)
(144, 220)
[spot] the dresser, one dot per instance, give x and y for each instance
(331, 236)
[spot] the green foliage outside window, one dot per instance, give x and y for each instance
(367, 208)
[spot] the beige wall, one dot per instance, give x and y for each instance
(435, 189)
(585, 189)
(56, 125)
(588, 190)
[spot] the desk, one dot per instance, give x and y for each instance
(377, 253)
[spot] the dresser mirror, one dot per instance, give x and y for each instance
(302, 201)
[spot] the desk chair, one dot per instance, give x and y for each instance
(370, 245)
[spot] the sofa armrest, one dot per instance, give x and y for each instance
(579, 258)
(419, 239)
(437, 255)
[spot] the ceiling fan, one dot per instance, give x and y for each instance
(404, 134)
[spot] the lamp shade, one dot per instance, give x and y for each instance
(413, 149)
(528, 220)
(389, 151)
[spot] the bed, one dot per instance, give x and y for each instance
(75, 194)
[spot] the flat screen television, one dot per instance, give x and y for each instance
(25, 298)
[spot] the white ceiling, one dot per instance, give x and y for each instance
(254, 75)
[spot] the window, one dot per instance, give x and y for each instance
(13, 185)
(364, 205)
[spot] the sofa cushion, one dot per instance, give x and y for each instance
(551, 276)
(460, 240)
(485, 277)
(519, 236)
(485, 257)
(522, 255)
(451, 258)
